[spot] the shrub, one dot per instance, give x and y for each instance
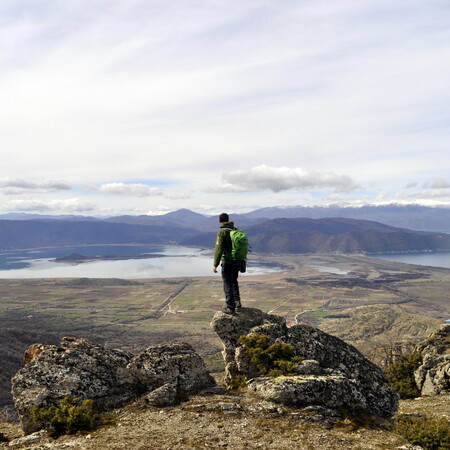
(431, 434)
(72, 415)
(237, 382)
(271, 359)
(401, 375)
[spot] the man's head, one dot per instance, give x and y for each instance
(224, 218)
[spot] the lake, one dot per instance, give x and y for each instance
(151, 261)
(439, 259)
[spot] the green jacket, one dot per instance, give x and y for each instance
(223, 243)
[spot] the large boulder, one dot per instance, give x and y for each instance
(433, 376)
(111, 378)
(230, 328)
(333, 374)
(175, 364)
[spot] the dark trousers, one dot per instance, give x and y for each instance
(230, 273)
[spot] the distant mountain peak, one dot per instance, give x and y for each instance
(185, 216)
(183, 211)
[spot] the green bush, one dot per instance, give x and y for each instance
(271, 359)
(72, 415)
(431, 434)
(401, 375)
(237, 382)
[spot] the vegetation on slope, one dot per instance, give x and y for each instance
(401, 375)
(429, 433)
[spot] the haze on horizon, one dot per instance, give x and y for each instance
(131, 107)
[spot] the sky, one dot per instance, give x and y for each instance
(111, 107)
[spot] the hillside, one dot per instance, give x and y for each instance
(214, 421)
(383, 333)
(416, 217)
(341, 236)
(16, 234)
(334, 235)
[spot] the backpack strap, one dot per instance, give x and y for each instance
(226, 255)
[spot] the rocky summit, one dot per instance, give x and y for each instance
(112, 378)
(333, 374)
(330, 389)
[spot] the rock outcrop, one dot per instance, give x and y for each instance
(111, 378)
(333, 374)
(433, 376)
(230, 328)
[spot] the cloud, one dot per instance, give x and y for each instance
(71, 205)
(277, 179)
(411, 185)
(17, 186)
(132, 189)
(440, 184)
(428, 194)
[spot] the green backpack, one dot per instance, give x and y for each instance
(239, 242)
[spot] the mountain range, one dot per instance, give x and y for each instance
(415, 217)
(267, 233)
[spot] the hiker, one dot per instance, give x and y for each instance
(230, 267)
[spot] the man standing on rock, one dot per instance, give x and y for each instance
(230, 267)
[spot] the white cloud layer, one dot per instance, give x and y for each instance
(440, 184)
(133, 189)
(277, 179)
(14, 186)
(67, 206)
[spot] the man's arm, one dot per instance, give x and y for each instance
(218, 252)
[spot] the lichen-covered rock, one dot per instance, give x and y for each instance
(78, 368)
(33, 351)
(433, 376)
(310, 367)
(230, 327)
(367, 380)
(31, 439)
(165, 395)
(329, 391)
(333, 374)
(111, 378)
(175, 363)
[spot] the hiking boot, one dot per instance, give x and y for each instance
(227, 310)
(238, 304)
